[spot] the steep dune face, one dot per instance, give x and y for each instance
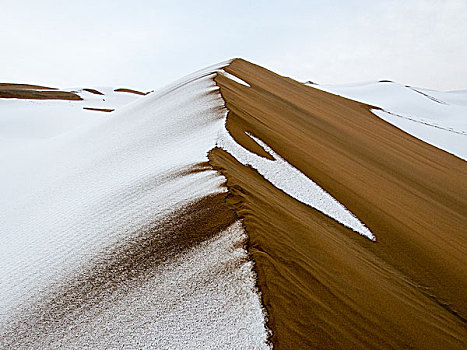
(132, 231)
(322, 285)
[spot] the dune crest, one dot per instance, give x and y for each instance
(323, 286)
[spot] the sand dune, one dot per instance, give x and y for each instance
(24, 86)
(131, 91)
(324, 287)
(436, 117)
(27, 121)
(38, 94)
(233, 209)
(93, 91)
(99, 109)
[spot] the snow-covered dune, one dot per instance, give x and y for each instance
(232, 209)
(77, 206)
(436, 117)
(29, 120)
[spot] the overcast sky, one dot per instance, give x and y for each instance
(147, 43)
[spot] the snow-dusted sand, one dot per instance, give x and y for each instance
(104, 239)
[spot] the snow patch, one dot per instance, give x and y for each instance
(293, 182)
(234, 78)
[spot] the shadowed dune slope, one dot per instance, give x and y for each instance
(323, 285)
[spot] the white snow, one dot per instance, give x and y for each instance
(436, 117)
(294, 183)
(84, 189)
(25, 123)
(235, 78)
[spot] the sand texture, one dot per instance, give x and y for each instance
(323, 286)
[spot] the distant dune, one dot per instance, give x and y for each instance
(233, 209)
(99, 109)
(131, 91)
(41, 94)
(93, 91)
(24, 86)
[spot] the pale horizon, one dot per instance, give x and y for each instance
(146, 45)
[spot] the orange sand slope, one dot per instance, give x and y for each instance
(323, 286)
